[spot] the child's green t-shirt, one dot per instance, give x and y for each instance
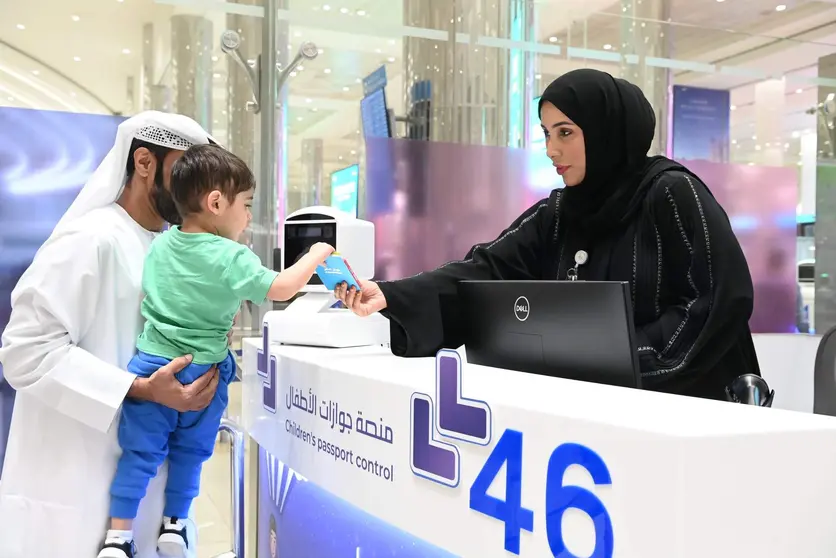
(194, 284)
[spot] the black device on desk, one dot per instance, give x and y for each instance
(580, 330)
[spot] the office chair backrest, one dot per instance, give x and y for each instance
(824, 376)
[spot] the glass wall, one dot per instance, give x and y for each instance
(464, 72)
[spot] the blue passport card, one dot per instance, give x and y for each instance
(335, 271)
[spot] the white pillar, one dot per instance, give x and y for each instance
(192, 43)
(644, 35)
(809, 145)
(770, 96)
(480, 94)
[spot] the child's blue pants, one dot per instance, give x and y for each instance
(150, 432)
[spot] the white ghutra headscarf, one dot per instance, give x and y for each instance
(105, 185)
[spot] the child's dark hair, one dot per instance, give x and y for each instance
(204, 168)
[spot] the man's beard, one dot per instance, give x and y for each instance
(165, 205)
(163, 201)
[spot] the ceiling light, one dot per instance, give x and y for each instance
(214, 59)
(343, 10)
(361, 13)
(36, 73)
(309, 100)
(300, 68)
(126, 51)
(358, 80)
(297, 34)
(21, 26)
(391, 59)
(340, 157)
(75, 18)
(552, 39)
(216, 76)
(780, 8)
(721, 0)
(299, 118)
(326, 7)
(391, 41)
(733, 107)
(314, 109)
(607, 46)
(538, 76)
(327, 70)
(345, 88)
(77, 58)
(378, 51)
(321, 51)
(292, 74)
(353, 152)
(799, 90)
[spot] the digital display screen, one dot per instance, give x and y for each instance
(374, 115)
(306, 232)
(344, 186)
(299, 238)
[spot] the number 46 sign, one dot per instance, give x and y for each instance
(468, 420)
(559, 497)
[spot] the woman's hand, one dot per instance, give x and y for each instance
(364, 303)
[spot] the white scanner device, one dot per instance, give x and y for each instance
(311, 320)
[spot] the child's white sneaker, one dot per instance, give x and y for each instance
(118, 544)
(174, 540)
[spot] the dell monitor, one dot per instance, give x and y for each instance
(579, 330)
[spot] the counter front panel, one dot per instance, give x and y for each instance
(366, 454)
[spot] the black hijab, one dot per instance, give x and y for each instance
(618, 126)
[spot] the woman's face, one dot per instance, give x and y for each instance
(564, 144)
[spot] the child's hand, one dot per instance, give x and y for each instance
(322, 250)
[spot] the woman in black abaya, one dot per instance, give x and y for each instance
(645, 220)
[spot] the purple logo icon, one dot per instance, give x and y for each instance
(268, 373)
(467, 420)
(429, 458)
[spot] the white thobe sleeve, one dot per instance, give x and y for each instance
(53, 307)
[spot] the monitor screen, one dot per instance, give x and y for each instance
(374, 115)
(344, 186)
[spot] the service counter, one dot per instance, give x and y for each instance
(366, 454)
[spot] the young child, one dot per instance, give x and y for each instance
(195, 278)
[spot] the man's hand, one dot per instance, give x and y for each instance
(163, 388)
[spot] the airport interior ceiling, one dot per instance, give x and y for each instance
(86, 55)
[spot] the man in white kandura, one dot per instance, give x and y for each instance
(73, 330)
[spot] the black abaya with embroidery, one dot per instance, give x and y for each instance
(644, 220)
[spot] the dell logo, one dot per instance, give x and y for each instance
(521, 309)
